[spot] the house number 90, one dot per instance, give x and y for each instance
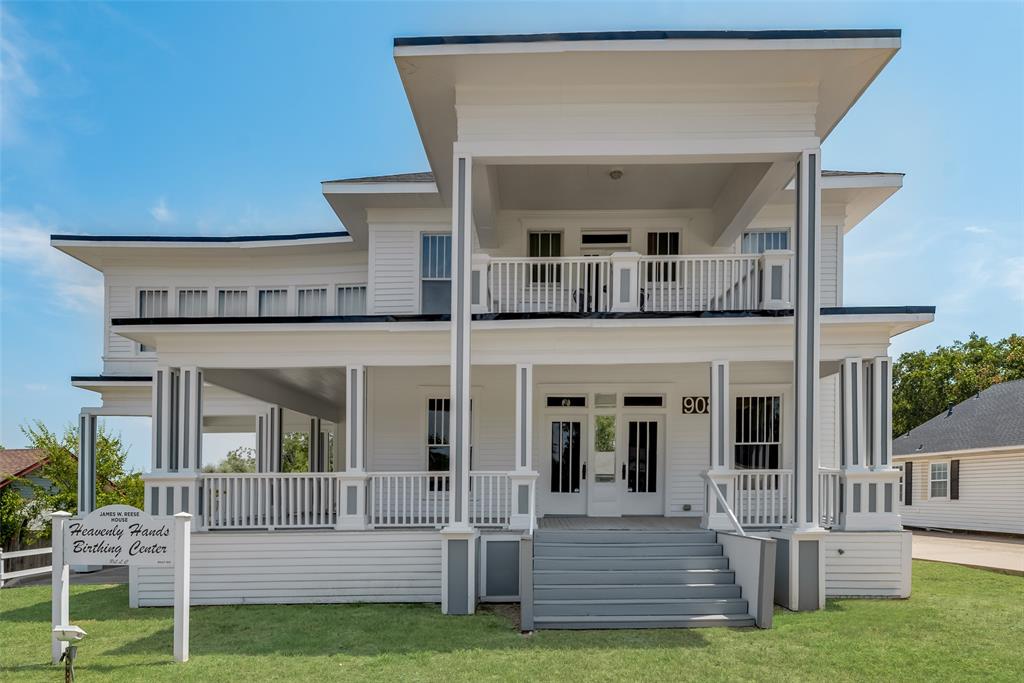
(695, 405)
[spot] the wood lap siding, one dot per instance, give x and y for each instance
(304, 567)
(991, 488)
(870, 564)
(688, 448)
(394, 276)
(830, 265)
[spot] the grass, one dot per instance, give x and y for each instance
(960, 624)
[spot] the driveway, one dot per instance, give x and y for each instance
(1002, 553)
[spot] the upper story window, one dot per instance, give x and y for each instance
(545, 245)
(192, 303)
(662, 244)
(153, 303)
(759, 241)
(232, 303)
(436, 273)
(351, 300)
(273, 302)
(938, 480)
(312, 300)
(758, 432)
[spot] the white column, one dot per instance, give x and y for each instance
(458, 581)
(182, 581)
(352, 482)
(626, 281)
(275, 423)
(162, 425)
(720, 471)
(160, 496)
(523, 478)
(316, 463)
(60, 579)
(86, 462)
(190, 422)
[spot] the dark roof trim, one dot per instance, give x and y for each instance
(785, 34)
(111, 378)
(197, 238)
(638, 315)
(419, 177)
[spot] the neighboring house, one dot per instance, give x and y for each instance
(21, 465)
(622, 279)
(964, 468)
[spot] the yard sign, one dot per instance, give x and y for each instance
(121, 535)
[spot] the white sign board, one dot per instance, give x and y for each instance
(120, 535)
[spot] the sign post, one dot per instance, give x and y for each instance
(121, 535)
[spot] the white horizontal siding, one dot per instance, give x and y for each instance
(867, 564)
(991, 496)
(120, 304)
(828, 421)
(689, 450)
(394, 275)
(829, 273)
(298, 567)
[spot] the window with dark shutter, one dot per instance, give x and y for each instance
(908, 484)
(954, 480)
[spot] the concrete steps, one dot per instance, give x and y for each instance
(634, 579)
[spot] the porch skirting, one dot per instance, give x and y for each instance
(254, 567)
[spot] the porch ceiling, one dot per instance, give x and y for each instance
(311, 391)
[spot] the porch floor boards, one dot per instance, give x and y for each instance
(637, 523)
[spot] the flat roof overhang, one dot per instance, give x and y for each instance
(96, 250)
(840, 64)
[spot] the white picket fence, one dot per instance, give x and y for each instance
(6, 556)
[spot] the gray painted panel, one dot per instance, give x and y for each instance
(776, 286)
(782, 571)
(154, 504)
(351, 500)
(872, 497)
(856, 497)
(808, 577)
(185, 491)
(523, 438)
(158, 418)
(170, 500)
(458, 576)
(524, 499)
(885, 455)
(502, 567)
(888, 497)
(625, 285)
(766, 588)
(186, 418)
(722, 391)
(855, 419)
(526, 583)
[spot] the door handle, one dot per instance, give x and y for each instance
(623, 471)
(584, 470)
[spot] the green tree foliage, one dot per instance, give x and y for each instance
(295, 452)
(926, 383)
(14, 518)
(240, 460)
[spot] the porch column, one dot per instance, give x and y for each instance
(458, 581)
(523, 477)
(352, 482)
(159, 491)
(273, 424)
(869, 480)
(720, 471)
(189, 442)
(86, 462)
(802, 544)
(316, 456)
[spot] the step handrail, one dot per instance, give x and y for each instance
(725, 504)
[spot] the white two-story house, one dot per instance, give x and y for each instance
(595, 360)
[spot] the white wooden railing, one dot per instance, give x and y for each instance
(269, 500)
(6, 556)
(408, 499)
(549, 285)
(829, 496)
(699, 283)
(490, 498)
(763, 497)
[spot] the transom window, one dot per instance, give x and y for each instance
(760, 241)
(153, 303)
(758, 433)
(273, 302)
(192, 303)
(938, 480)
(232, 302)
(436, 273)
(312, 301)
(351, 300)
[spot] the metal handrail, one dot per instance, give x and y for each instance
(725, 504)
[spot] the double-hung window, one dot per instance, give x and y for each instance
(662, 244)
(545, 245)
(938, 480)
(312, 300)
(436, 273)
(351, 300)
(192, 303)
(758, 432)
(760, 241)
(273, 302)
(232, 303)
(153, 303)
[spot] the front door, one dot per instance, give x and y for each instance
(642, 469)
(565, 485)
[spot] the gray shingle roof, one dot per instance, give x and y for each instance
(992, 419)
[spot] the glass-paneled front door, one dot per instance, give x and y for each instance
(642, 476)
(565, 485)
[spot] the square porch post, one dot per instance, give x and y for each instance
(524, 477)
(174, 484)
(86, 462)
(458, 580)
(352, 482)
(802, 544)
(720, 471)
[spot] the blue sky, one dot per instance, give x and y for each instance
(222, 118)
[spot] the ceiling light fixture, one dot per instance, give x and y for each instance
(615, 173)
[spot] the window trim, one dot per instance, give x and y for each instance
(172, 311)
(272, 288)
(784, 390)
(932, 479)
(789, 238)
(228, 288)
(178, 291)
(327, 300)
(338, 286)
(420, 278)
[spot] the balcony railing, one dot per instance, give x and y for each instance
(630, 282)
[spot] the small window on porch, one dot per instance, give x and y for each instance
(760, 241)
(192, 303)
(153, 303)
(312, 301)
(758, 433)
(438, 445)
(662, 244)
(232, 303)
(545, 245)
(436, 273)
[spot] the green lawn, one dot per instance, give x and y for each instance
(960, 624)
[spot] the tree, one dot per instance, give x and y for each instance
(295, 452)
(926, 383)
(242, 459)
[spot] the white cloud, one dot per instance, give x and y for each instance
(25, 242)
(161, 212)
(978, 230)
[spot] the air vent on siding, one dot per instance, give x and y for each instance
(605, 400)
